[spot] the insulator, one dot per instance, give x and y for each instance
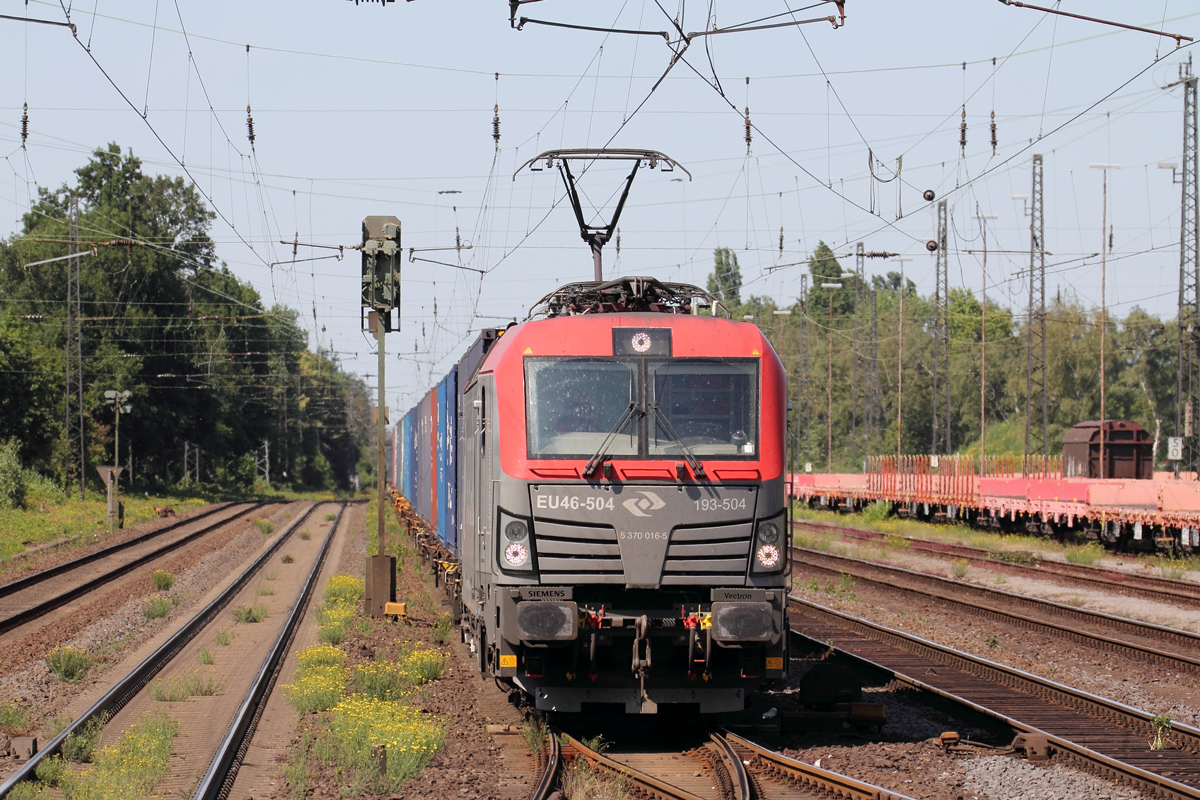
(250, 126)
(24, 124)
(781, 240)
(962, 131)
(993, 133)
(747, 129)
(618, 241)
(496, 124)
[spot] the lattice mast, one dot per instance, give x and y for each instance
(941, 333)
(856, 354)
(1187, 377)
(803, 410)
(1036, 399)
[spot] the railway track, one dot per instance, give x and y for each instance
(1098, 735)
(727, 767)
(1143, 641)
(36, 595)
(220, 769)
(1163, 590)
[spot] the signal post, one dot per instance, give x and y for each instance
(380, 296)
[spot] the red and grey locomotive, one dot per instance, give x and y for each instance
(613, 489)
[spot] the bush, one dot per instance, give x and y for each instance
(12, 477)
(330, 517)
(157, 606)
(1088, 554)
(222, 638)
(443, 630)
(959, 568)
(250, 614)
(410, 737)
(163, 580)
(80, 745)
(206, 657)
(344, 589)
(304, 534)
(320, 655)
(287, 559)
(316, 689)
(382, 680)
(265, 591)
(69, 664)
(50, 771)
(332, 621)
(13, 719)
(877, 512)
(422, 664)
(263, 526)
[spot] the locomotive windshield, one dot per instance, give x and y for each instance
(573, 404)
(709, 407)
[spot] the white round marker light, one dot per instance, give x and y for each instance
(517, 554)
(767, 555)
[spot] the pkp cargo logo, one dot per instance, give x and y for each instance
(638, 506)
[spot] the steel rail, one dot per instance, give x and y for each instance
(819, 781)
(28, 615)
(222, 770)
(1131, 719)
(127, 687)
(734, 767)
(1165, 590)
(20, 584)
(545, 785)
(644, 781)
(887, 575)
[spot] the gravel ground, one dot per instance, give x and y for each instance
(1110, 675)
(1003, 777)
(121, 631)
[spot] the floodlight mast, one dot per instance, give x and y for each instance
(598, 235)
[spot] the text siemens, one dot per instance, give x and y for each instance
(575, 503)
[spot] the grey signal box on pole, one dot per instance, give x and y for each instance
(381, 266)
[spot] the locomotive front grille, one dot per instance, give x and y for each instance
(578, 554)
(716, 556)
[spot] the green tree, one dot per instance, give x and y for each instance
(207, 362)
(725, 281)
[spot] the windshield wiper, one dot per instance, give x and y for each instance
(674, 436)
(595, 461)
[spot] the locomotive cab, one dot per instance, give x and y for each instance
(621, 515)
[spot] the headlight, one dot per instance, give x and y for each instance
(515, 545)
(767, 556)
(516, 531)
(769, 542)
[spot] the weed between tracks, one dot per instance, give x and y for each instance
(172, 690)
(250, 614)
(163, 580)
(69, 664)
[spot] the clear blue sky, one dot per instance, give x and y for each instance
(363, 109)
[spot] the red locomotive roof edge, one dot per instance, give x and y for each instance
(591, 335)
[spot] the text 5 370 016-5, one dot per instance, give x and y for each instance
(575, 503)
